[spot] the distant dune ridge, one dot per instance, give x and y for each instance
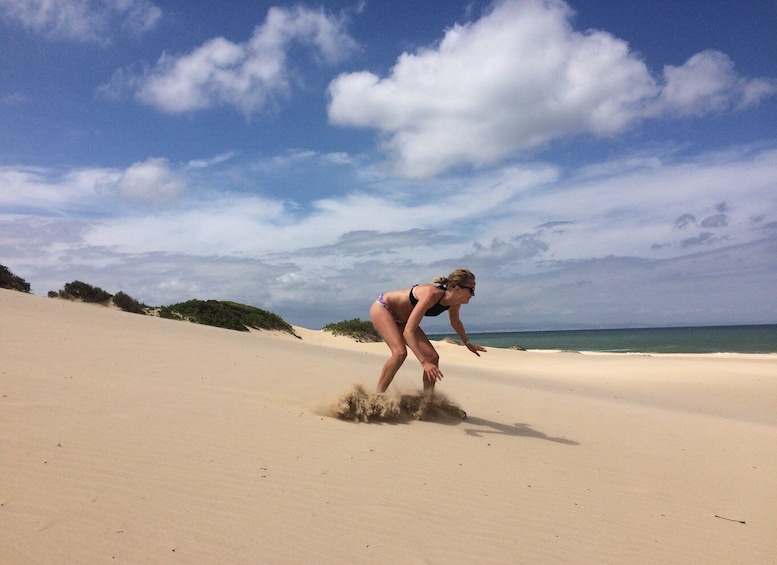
(138, 439)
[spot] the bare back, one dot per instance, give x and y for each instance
(399, 300)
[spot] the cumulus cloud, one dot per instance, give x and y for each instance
(82, 21)
(707, 83)
(517, 78)
(150, 182)
(245, 75)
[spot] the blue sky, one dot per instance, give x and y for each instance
(596, 164)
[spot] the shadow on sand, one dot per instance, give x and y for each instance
(518, 430)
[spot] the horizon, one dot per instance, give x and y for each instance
(589, 329)
(594, 164)
(441, 332)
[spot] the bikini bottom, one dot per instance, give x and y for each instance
(387, 307)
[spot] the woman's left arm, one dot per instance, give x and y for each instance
(458, 327)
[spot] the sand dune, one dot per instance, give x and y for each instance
(131, 439)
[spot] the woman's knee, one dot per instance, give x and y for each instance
(399, 354)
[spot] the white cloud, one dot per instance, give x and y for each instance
(516, 227)
(51, 193)
(245, 75)
(708, 83)
(83, 21)
(229, 225)
(150, 182)
(650, 211)
(210, 162)
(514, 80)
(646, 208)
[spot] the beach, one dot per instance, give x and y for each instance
(135, 439)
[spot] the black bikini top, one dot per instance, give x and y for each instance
(435, 310)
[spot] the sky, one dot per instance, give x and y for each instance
(596, 164)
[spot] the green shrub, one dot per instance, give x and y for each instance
(360, 330)
(78, 290)
(11, 281)
(128, 304)
(225, 314)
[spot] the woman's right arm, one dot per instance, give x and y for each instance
(410, 333)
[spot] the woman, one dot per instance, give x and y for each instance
(397, 316)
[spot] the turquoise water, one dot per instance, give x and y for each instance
(710, 339)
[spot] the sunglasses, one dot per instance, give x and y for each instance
(471, 289)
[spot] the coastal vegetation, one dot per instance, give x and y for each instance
(225, 314)
(360, 330)
(78, 290)
(12, 282)
(222, 314)
(128, 304)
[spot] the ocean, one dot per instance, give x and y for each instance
(707, 339)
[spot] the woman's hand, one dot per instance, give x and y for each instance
(476, 349)
(432, 371)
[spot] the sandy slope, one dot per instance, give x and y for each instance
(130, 439)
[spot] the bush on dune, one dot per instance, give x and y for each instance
(225, 314)
(79, 290)
(360, 330)
(10, 281)
(128, 304)
(222, 314)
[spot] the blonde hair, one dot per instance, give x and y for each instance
(456, 278)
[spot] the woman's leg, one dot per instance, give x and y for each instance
(391, 332)
(429, 352)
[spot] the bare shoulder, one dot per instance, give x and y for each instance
(427, 290)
